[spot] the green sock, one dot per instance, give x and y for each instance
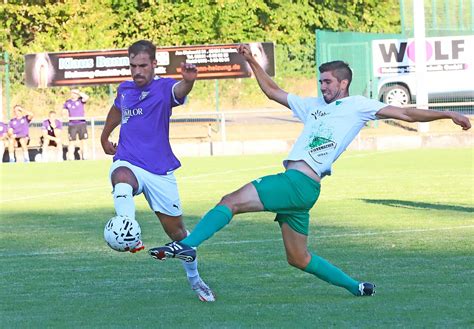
(213, 221)
(331, 274)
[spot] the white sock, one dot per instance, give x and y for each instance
(191, 269)
(123, 200)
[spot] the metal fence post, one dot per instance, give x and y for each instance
(93, 138)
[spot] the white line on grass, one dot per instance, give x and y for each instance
(45, 195)
(329, 236)
(355, 234)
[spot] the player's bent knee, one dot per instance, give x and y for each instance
(228, 201)
(124, 175)
(298, 261)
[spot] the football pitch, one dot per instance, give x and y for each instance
(401, 219)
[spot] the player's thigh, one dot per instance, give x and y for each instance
(296, 246)
(23, 142)
(82, 132)
(172, 225)
(161, 192)
(245, 199)
(125, 172)
(72, 132)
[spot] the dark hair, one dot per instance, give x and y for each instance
(143, 46)
(339, 69)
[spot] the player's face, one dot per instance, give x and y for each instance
(331, 88)
(142, 68)
(18, 111)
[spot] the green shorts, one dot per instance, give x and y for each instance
(290, 195)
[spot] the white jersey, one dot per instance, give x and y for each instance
(328, 128)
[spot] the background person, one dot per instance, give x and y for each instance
(77, 129)
(3, 139)
(143, 159)
(51, 138)
(19, 132)
(331, 122)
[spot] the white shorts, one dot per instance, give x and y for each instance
(161, 191)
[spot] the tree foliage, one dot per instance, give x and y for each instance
(53, 26)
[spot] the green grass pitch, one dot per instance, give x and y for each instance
(401, 219)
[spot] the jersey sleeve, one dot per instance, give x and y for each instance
(59, 125)
(176, 101)
(369, 108)
(118, 98)
(45, 125)
(299, 106)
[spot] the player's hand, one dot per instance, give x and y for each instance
(244, 50)
(109, 147)
(461, 120)
(189, 71)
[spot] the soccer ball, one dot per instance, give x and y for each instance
(122, 233)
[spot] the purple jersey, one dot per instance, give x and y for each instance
(144, 132)
(47, 126)
(75, 109)
(21, 126)
(3, 129)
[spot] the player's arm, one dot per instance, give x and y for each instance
(268, 86)
(418, 115)
(113, 119)
(83, 96)
(28, 114)
(184, 87)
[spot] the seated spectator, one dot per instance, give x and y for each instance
(19, 132)
(51, 138)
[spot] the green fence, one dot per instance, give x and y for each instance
(447, 23)
(355, 49)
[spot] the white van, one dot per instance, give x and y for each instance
(449, 76)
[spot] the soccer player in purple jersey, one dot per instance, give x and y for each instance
(143, 159)
(19, 132)
(77, 129)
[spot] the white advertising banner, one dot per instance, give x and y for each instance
(397, 56)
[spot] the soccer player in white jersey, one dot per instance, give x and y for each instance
(143, 159)
(331, 122)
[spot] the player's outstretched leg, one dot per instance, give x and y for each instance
(212, 222)
(326, 271)
(174, 249)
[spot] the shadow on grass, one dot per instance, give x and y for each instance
(418, 205)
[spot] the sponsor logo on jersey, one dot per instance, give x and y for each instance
(143, 95)
(319, 147)
(128, 113)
